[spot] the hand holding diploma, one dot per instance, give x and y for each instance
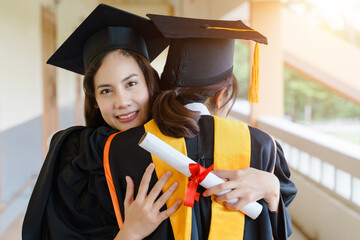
(181, 163)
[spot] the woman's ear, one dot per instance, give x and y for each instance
(220, 98)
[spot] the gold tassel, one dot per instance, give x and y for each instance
(230, 29)
(254, 84)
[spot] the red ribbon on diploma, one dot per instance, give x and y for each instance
(198, 174)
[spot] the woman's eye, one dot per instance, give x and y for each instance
(130, 84)
(105, 91)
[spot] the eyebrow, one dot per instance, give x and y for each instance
(123, 80)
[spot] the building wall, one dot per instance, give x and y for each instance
(21, 86)
(20, 61)
(69, 14)
(20, 94)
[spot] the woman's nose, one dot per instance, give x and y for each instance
(122, 100)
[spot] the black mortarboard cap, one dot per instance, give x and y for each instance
(201, 51)
(108, 28)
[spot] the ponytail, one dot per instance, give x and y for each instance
(174, 119)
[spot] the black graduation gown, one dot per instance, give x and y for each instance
(71, 199)
(128, 160)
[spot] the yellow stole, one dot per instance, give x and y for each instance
(232, 150)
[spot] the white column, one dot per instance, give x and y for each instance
(265, 17)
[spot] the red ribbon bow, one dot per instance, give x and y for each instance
(198, 174)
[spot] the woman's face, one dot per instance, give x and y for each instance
(121, 92)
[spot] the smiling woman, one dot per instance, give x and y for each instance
(71, 200)
(119, 86)
(121, 92)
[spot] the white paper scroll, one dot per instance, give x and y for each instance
(180, 162)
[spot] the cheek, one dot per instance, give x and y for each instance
(103, 106)
(143, 100)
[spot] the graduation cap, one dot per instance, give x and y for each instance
(201, 51)
(108, 28)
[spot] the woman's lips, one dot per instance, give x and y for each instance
(127, 117)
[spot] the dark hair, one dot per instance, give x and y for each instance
(92, 113)
(174, 120)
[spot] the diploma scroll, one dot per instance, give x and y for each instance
(180, 162)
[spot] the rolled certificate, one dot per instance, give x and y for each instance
(180, 162)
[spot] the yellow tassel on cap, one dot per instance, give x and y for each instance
(254, 84)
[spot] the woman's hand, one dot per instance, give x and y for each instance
(142, 215)
(248, 185)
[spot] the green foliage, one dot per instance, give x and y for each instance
(300, 93)
(241, 68)
(325, 105)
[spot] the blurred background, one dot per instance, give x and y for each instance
(309, 96)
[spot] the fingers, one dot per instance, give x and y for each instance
(144, 184)
(228, 196)
(166, 213)
(227, 174)
(235, 179)
(150, 199)
(219, 188)
(129, 195)
(240, 204)
(155, 191)
(164, 197)
(235, 206)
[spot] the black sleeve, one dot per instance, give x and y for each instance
(288, 192)
(262, 157)
(71, 198)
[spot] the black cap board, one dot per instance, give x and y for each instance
(201, 51)
(108, 28)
